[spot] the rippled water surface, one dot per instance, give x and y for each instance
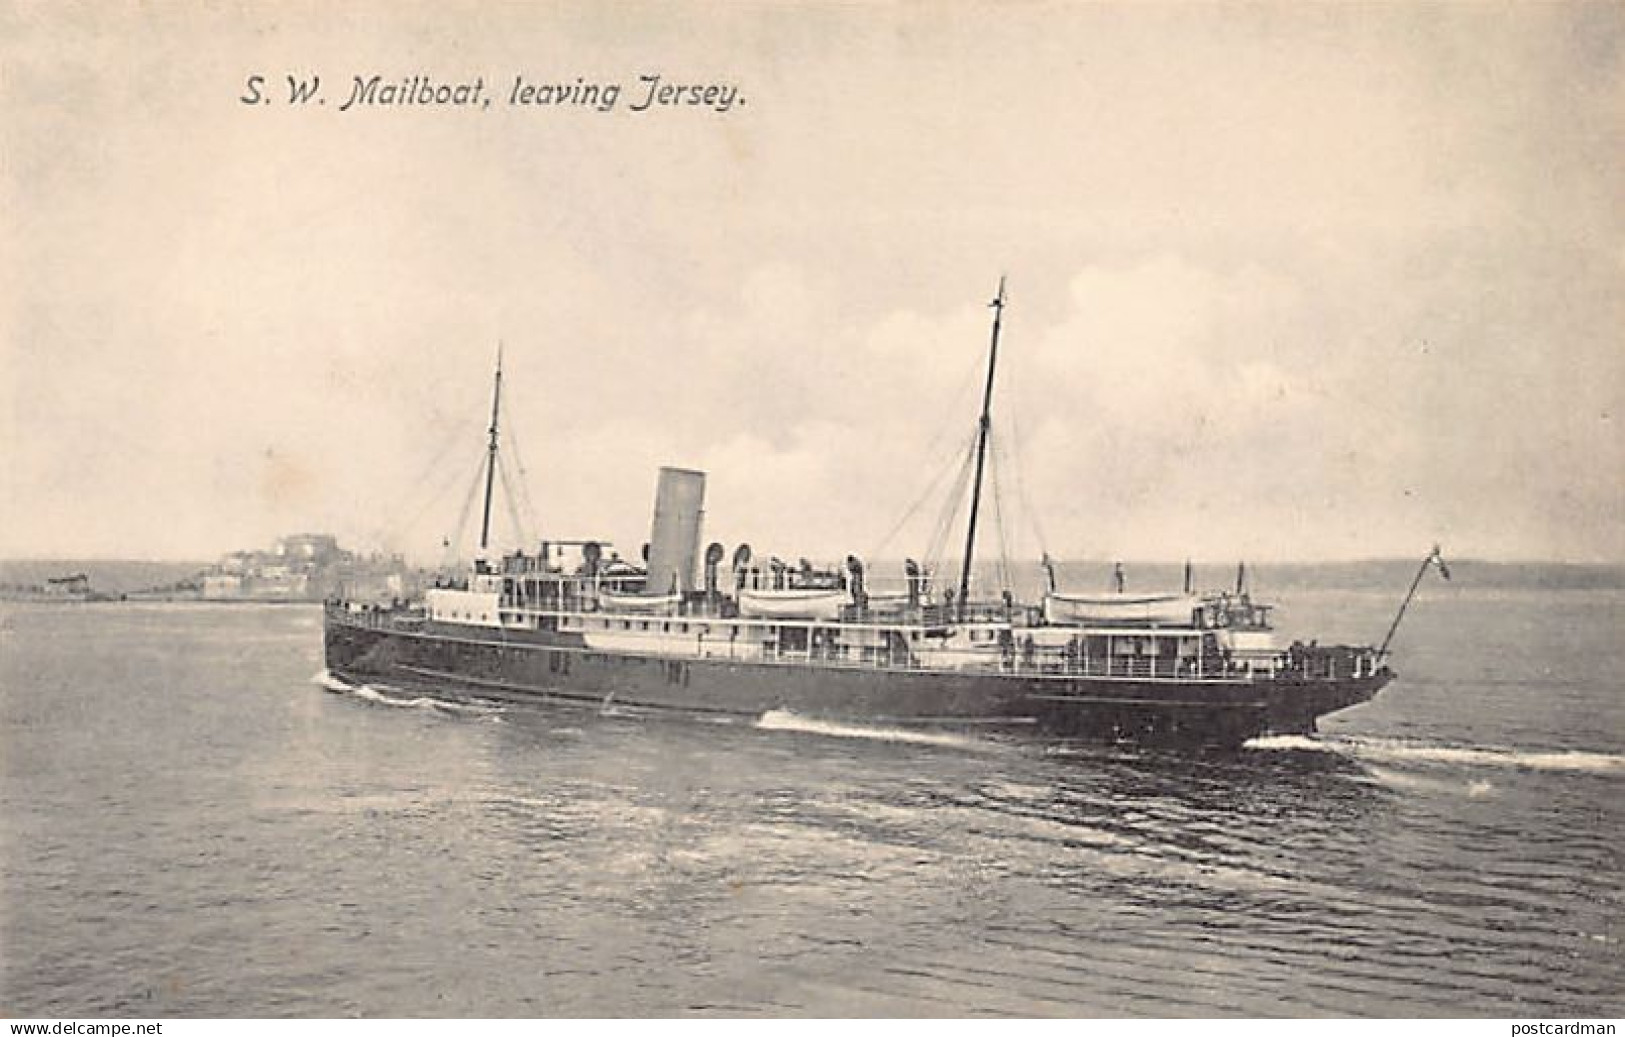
(192, 825)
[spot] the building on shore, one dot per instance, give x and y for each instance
(305, 567)
(76, 585)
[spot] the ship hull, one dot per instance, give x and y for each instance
(495, 665)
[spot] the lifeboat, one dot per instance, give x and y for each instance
(1120, 609)
(660, 604)
(792, 603)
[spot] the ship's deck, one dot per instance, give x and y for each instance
(986, 646)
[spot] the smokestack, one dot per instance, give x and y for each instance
(674, 535)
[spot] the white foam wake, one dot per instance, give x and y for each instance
(785, 720)
(329, 680)
(380, 696)
(1400, 751)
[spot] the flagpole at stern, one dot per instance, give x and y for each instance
(1433, 558)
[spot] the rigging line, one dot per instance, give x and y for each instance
(522, 476)
(448, 478)
(1025, 504)
(508, 499)
(389, 530)
(530, 528)
(1023, 499)
(456, 539)
(940, 450)
(950, 516)
(962, 391)
(995, 506)
(948, 512)
(930, 492)
(944, 464)
(994, 472)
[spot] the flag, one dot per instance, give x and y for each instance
(1437, 559)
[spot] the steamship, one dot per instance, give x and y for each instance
(680, 632)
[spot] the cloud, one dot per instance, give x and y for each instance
(1284, 281)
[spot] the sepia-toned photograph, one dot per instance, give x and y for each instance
(806, 509)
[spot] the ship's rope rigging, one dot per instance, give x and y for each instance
(965, 455)
(1002, 568)
(1024, 501)
(497, 466)
(988, 447)
(941, 467)
(510, 498)
(948, 517)
(435, 482)
(430, 486)
(961, 463)
(521, 511)
(452, 544)
(937, 557)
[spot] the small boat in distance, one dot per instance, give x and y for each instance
(684, 635)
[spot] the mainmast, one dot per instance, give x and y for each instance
(981, 450)
(491, 453)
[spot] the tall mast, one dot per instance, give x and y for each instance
(981, 449)
(491, 453)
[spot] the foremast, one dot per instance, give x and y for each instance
(491, 454)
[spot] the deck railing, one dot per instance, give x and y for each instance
(374, 616)
(1311, 663)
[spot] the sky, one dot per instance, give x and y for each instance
(1285, 281)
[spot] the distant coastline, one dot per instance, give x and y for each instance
(108, 577)
(138, 579)
(298, 568)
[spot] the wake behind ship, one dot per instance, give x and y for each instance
(682, 633)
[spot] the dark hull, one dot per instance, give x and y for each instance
(549, 668)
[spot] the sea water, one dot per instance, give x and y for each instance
(194, 820)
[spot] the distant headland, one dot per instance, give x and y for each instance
(301, 567)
